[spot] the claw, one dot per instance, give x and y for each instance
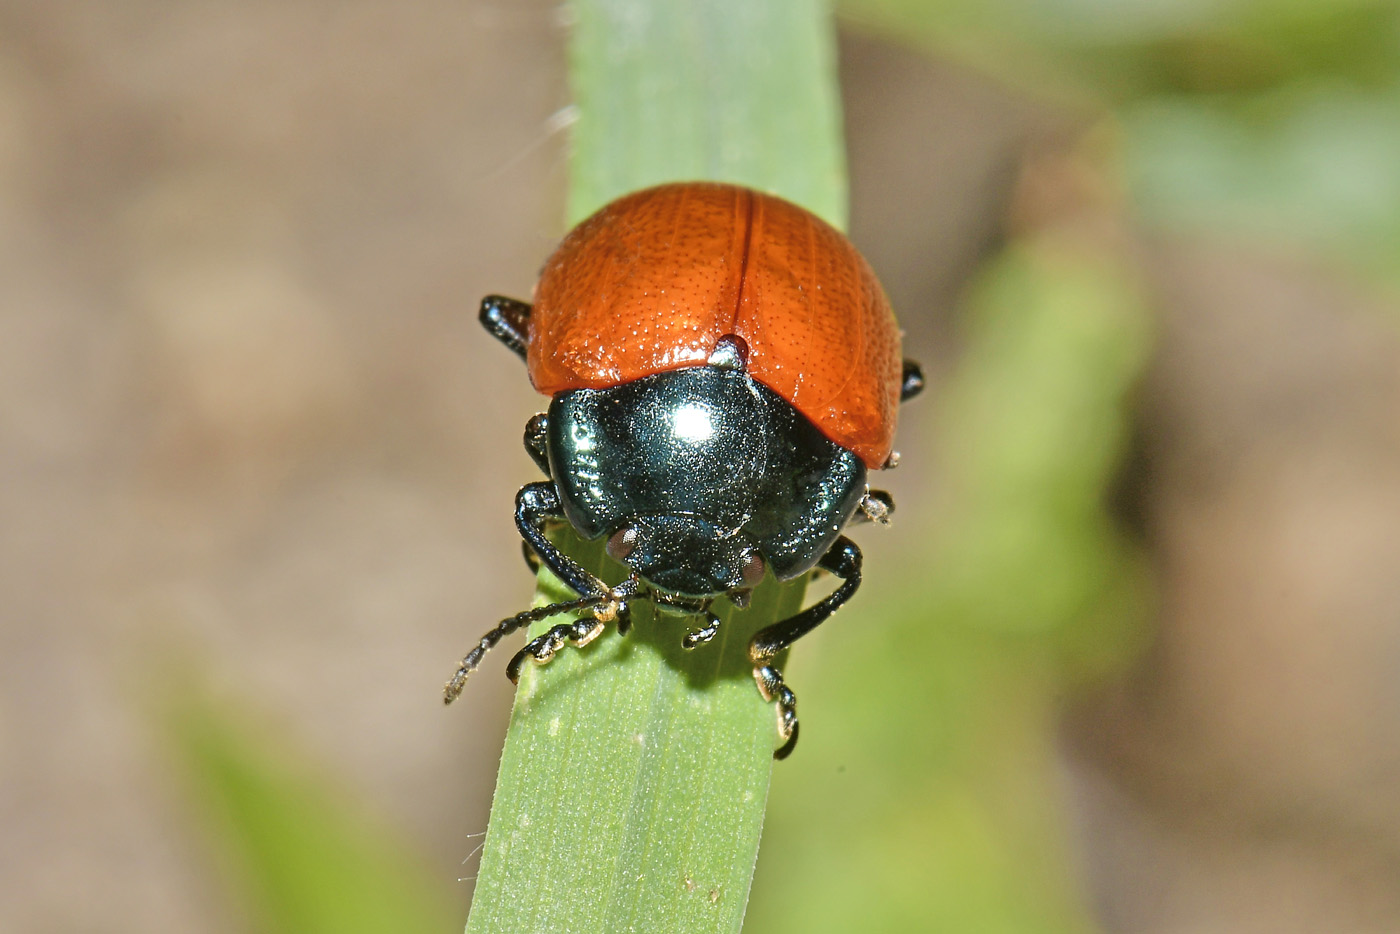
(703, 634)
(785, 750)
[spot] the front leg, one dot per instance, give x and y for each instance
(536, 504)
(536, 430)
(843, 560)
(582, 630)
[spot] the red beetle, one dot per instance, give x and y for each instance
(723, 369)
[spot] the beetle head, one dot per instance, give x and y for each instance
(688, 555)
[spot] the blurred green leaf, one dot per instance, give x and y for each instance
(303, 857)
(1118, 50)
(1034, 431)
(1314, 166)
(1272, 120)
(926, 797)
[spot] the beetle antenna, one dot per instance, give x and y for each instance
(504, 628)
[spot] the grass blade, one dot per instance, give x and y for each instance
(635, 774)
(726, 90)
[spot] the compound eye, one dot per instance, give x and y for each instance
(753, 570)
(622, 543)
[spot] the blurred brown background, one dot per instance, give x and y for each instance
(249, 423)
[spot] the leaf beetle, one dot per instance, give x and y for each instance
(723, 370)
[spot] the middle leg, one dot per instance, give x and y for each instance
(843, 561)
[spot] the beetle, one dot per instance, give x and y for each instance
(723, 370)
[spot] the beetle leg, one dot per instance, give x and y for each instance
(532, 560)
(536, 504)
(535, 430)
(507, 320)
(704, 634)
(507, 626)
(696, 606)
(911, 381)
(843, 560)
(607, 607)
(771, 686)
(579, 632)
(875, 506)
(624, 610)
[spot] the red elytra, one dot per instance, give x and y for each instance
(653, 280)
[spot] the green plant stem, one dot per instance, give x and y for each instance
(740, 91)
(635, 774)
